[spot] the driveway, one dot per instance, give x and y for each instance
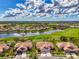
(23, 56)
(20, 57)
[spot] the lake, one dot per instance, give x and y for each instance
(5, 35)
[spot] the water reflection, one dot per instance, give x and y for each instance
(5, 35)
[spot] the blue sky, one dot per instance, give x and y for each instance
(5, 4)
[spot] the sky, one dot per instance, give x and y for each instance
(39, 8)
(5, 4)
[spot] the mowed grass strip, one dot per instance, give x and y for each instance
(71, 32)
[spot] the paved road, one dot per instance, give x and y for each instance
(53, 57)
(19, 57)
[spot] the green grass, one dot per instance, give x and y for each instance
(71, 34)
(68, 33)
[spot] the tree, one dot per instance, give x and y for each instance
(63, 38)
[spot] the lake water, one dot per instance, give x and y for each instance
(5, 35)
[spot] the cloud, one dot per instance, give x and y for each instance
(67, 3)
(21, 6)
(12, 12)
(40, 8)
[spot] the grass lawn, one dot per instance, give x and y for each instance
(70, 34)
